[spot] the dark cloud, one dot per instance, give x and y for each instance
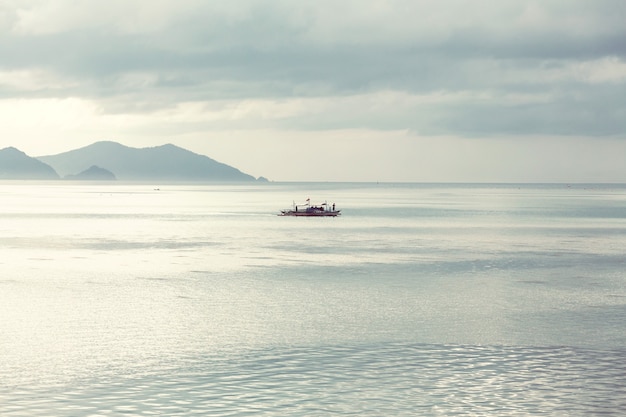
(265, 51)
(567, 115)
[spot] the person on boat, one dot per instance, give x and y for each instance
(333, 206)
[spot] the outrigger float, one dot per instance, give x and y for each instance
(307, 210)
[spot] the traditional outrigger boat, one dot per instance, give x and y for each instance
(307, 210)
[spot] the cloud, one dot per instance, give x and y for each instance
(451, 68)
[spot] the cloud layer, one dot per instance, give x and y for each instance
(463, 68)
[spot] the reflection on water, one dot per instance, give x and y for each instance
(365, 380)
(419, 300)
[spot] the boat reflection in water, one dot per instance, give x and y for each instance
(307, 210)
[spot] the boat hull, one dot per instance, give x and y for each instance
(314, 213)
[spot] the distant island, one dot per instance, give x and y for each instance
(93, 173)
(108, 161)
(16, 165)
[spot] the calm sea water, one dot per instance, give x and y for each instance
(428, 300)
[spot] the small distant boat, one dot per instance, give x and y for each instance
(307, 210)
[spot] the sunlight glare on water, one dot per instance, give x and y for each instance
(199, 300)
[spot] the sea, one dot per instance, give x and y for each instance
(169, 299)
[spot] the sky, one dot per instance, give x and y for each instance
(348, 90)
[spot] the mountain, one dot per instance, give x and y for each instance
(93, 173)
(166, 163)
(16, 165)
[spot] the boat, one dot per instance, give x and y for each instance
(307, 210)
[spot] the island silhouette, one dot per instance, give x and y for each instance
(107, 160)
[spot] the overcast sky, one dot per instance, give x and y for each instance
(342, 90)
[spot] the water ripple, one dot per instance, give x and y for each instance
(387, 379)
